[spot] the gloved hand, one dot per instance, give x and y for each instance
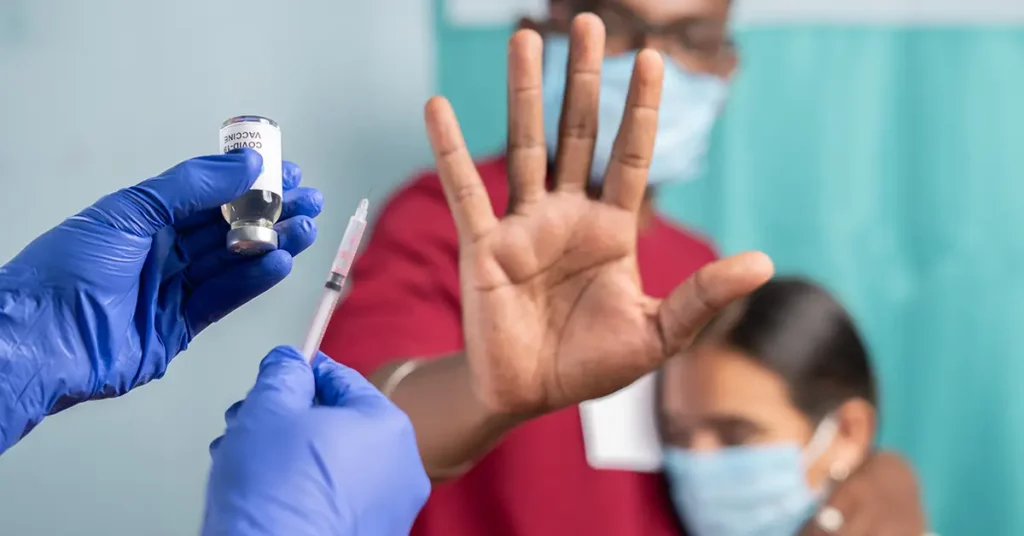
(102, 302)
(345, 464)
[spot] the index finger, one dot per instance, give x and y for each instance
(463, 188)
(338, 385)
(285, 384)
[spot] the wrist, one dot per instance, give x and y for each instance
(397, 379)
(495, 418)
(488, 421)
(454, 424)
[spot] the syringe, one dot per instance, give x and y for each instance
(336, 279)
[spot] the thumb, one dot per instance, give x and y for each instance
(285, 384)
(693, 304)
(338, 385)
(194, 185)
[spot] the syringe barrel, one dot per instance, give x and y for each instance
(349, 246)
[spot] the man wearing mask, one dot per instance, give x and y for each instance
(403, 325)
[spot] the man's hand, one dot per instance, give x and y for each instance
(553, 309)
(101, 303)
(881, 499)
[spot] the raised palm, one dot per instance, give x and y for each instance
(553, 310)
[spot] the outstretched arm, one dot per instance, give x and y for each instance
(552, 311)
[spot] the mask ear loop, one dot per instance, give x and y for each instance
(820, 441)
(829, 518)
(822, 438)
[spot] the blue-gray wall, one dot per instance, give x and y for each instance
(98, 95)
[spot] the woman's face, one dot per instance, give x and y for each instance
(716, 397)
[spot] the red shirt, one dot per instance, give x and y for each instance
(404, 302)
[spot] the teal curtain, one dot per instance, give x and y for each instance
(887, 163)
(471, 74)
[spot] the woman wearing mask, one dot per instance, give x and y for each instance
(774, 404)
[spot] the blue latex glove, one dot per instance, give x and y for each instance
(102, 302)
(345, 464)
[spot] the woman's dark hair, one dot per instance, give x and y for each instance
(798, 330)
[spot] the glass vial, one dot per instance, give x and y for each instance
(253, 215)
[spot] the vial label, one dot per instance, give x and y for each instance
(262, 138)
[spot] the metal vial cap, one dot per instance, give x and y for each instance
(252, 240)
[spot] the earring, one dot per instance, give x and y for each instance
(838, 472)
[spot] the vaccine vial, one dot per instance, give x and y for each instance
(253, 215)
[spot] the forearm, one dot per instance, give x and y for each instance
(29, 391)
(37, 370)
(16, 417)
(453, 428)
(23, 382)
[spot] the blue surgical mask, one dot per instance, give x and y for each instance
(746, 491)
(690, 104)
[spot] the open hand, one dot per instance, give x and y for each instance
(553, 309)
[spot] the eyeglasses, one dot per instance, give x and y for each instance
(703, 39)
